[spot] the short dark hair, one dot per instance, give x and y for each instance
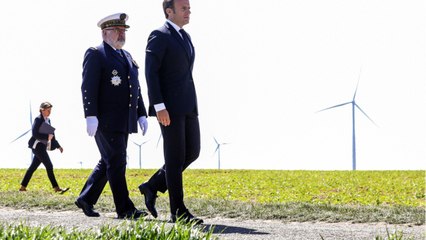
(168, 4)
(45, 105)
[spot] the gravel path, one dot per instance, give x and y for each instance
(225, 228)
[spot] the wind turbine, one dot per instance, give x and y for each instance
(159, 138)
(218, 151)
(354, 105)
(29, 130)
(31, 125)
(140, 152)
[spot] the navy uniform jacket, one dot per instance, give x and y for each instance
(111, 90)
(36, 135)
(168, 72)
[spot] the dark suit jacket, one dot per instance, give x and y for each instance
(111, 90)
(168, 72)
(36, 135)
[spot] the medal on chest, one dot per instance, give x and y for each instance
(115, 79)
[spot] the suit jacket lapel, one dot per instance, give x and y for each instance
(177, 36)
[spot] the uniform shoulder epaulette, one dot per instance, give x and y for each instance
(94, 48)
(134, 62)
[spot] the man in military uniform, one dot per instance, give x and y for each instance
(113, 107)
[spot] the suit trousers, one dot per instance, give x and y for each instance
(40, 156)
(112, 168)
(181, 141)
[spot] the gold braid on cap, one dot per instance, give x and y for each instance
(116, 22)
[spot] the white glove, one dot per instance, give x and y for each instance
(92, 125)
(143, 123)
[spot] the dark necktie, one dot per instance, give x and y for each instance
(186, 40)
(119, 52)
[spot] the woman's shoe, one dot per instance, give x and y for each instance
(23, 189)
(60, 190)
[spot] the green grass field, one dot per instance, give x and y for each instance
(333, 196)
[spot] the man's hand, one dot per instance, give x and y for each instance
(143, 124)
(163, 117)
(92, 125)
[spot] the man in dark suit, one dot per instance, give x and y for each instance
(113, 106)
(172, 98)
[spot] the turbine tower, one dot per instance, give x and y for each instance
(218, 151)
(354, 105)
(140, 152)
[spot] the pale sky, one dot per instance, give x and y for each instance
(262, 71)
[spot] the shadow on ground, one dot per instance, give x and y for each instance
(224, 229)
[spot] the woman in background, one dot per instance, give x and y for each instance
(40, 142)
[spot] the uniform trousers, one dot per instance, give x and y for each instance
(111, 168)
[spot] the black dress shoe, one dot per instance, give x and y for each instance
(186, 217)
(150, 197)
(132, 214)
(87, 208)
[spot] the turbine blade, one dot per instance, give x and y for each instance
(159, 138)
(339, 105)
(217, 148)
(356, 89)
(216, 140)
(365, 114)
(20, 136)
